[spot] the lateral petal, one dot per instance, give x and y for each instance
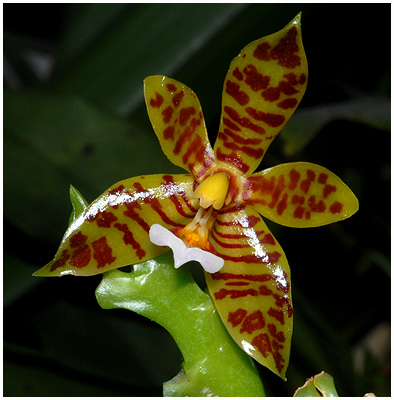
(299, 195)
(176, 116)
(252, 291)
(113, 231)
(262, 89)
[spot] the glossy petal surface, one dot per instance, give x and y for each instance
(176, 116)
(299, 195)
(252, 291)
(262, 89)
(113, 231)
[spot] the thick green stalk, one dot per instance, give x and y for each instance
(213, 364)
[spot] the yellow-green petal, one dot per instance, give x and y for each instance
(176, 116)
(262, 89)
(252, 291)
(113, 231)
(299, 195)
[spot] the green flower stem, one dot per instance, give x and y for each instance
(213, 364)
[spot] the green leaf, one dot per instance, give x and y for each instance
(108, 49)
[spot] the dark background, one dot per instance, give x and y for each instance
(74, 114)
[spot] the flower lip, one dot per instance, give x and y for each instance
(182, 254)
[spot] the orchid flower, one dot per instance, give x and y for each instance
(213, 214)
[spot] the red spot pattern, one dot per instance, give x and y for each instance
(238, 74)
(282, 205)
(254, 278)
(177, 98)
(61, 262)
(128, 238)
(171, 87)
(226, 134)
(158, 101)
(185, 114)
(168, 133)
(273, 93)
(167, 114)
(236, 317)
(234, 90)
(103, 219)
(254, 79)
(102, 252)
(250, 151)
(235, 294)
(306, 184)
(336, 208)
(294, 178)
(328, 189)
(244, 122)
(277, 314)
(262, 343)
(270, 119)
(279, 336)
(239, 283)
(231, 124)
(322, 178)
(288, 103)
(233, 159)
(283, 51)
(78, 239)
(262, 52)
(316, 207)
(254, 321)
(81, 257)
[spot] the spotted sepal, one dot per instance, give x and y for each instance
(262, 89)
(176, 116)
(113, 231)
(252, 291)
(299, 195)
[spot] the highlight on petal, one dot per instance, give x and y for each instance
(299, 195)
(177, 119)
(113, 231)
(183, 254)
(262, 89)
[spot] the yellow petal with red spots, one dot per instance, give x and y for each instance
(262, 89)
(113, 231)
(176, 116)
(299, 195)
(252, 291)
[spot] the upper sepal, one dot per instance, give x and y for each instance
(113, 231)
(262, 89)
(176, 116)
(299, 195)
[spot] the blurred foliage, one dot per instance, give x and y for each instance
(74, 114)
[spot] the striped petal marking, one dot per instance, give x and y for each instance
(252, 291)
(262, 89)
(113, 231)
(217, 208)
(176, 116)
(299, 195)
